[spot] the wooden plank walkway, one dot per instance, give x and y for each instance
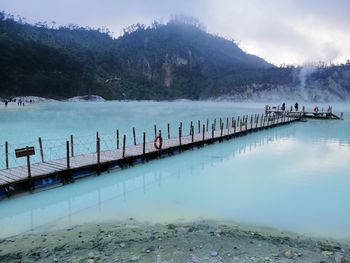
(16, 179)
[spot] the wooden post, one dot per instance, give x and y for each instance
(222, 129)
(232, 120)
(214, 123)
(124, 142)
(7, 154)
(203, 135)
(191, 125)
(168, 131)
(220, 122)
(144, 143)
(226, 123)
(28, 165)
(240, 124)
(155, 131)
(192, 133)
(207, 124)
(41, 149)
(180, 131)
(228, 127)
(199, 126)
(97, 135)
(98, 149)
(117, 135)
(134, 135)
(234, 126)
(72, 145)
(212, 130)
(67, 154)
(257, 121)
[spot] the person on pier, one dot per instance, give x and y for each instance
(296, 106)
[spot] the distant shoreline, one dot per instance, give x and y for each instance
(95, 98)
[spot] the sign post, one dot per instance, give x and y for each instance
(26, 152)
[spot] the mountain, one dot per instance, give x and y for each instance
(178, 59)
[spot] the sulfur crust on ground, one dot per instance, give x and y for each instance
(203, 241)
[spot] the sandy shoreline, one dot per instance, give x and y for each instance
(181, 242)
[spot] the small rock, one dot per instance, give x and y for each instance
(288, 254)
(90, 260)
(254, 259)
(214, 253)
(194, 259)
(327, 253)
(266, 259)
(218, 232)
(91, 255)
(150, 249)
(171, 226)
(122, 244)
(191, 229)
(339, 258)
(55, 259)
(135, 258)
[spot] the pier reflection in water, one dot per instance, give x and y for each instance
(292, 178)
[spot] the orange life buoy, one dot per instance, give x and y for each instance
(158, 142)
(316, 109)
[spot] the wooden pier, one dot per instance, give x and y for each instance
(316, 113)
(51, 173)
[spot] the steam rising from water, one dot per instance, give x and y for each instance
(306, 70)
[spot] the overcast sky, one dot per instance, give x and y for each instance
(280, 31)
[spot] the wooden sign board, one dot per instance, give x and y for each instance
(23, 152)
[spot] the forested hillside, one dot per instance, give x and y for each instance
(178, 59)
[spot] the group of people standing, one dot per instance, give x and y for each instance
(19, 102)
(296, 107)
(283, 107)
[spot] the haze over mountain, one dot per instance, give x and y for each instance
(174, 60)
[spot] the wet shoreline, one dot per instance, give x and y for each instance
(204, 241)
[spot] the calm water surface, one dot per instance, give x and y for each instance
(293, 178)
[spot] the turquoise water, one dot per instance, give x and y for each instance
(292, 178)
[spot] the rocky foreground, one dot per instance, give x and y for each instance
(191, 242)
